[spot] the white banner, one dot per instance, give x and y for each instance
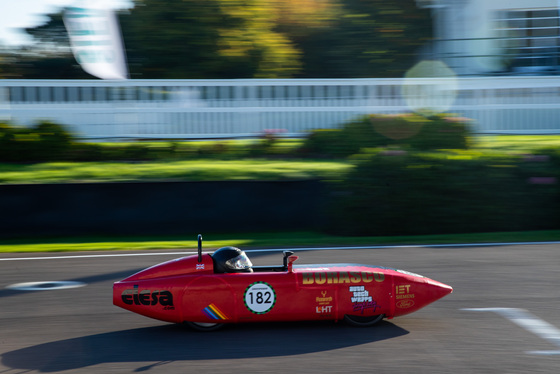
(96, 41)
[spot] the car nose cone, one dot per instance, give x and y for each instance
(417, 293)
(438, 289)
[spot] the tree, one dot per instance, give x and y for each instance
(49, 58)
(206, 39)
(362, 38)
(52, 32)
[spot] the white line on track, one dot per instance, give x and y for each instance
(463, 245)
(529, 322)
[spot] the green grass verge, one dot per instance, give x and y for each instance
(194, 170)
(516, 143)
(261, 240)
(229, 166)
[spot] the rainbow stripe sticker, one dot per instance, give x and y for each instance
(213, 312)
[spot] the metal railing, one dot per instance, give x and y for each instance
(190, 109)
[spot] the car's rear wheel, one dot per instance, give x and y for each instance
(203, 326)
(362, 321)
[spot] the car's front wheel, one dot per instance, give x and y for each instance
(203, 326)
(361, 321)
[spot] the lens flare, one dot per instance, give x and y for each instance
(430, 86)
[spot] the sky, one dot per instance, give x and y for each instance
(16, 15)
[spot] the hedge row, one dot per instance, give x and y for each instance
(51, 142)
(45, 141)
(48, 141)
(409, 131)
(401, 193)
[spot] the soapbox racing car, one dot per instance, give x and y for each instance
(210, 290)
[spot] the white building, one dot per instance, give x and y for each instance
(481, 37)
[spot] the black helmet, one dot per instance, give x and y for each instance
(231, 260)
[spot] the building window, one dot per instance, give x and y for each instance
(530, 38)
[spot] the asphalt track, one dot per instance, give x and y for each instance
(78, 330)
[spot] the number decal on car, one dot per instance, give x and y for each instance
(259, 297)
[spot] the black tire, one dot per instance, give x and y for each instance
(203, 326)
(361, 321)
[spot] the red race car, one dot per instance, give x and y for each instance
(210, 290)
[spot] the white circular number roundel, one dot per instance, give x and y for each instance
(259, 297)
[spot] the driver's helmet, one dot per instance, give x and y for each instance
(231, 260)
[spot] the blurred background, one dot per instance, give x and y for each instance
(421, 87)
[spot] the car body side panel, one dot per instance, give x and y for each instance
(358, 290)
(209, 299)
(155, 298)
(311, 294)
